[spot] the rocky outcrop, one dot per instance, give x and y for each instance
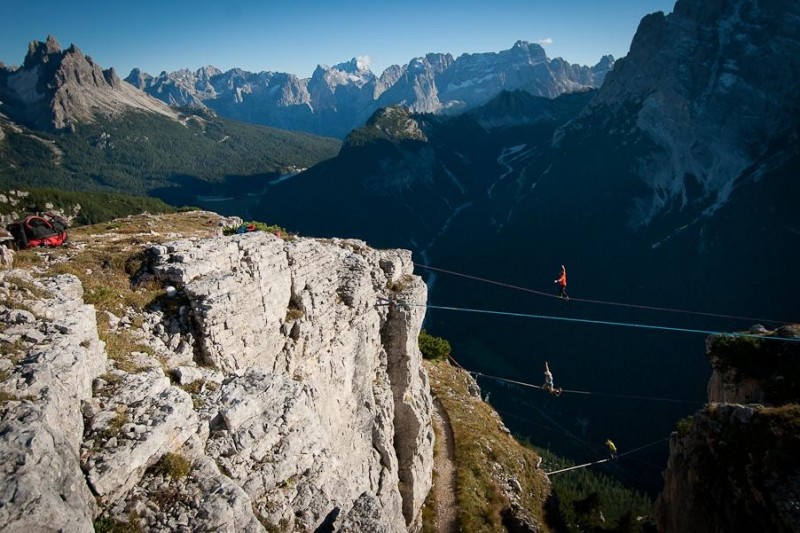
(752, 370)
(268, 391)
(51, 354)
(735, 467)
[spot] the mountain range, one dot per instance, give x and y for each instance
(673, 184)
(66, 122)
(337, 99)
(667, 192)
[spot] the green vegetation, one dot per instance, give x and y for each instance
(588, 500)
(433, 347)
(744, 353)
(684, 425)
(139, 152)
(255, 225)
(95, 207)
(486, 458)
(173, 466)
(105, 524)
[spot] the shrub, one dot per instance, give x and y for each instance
(174, 466)
(433, 347)
(684, 426)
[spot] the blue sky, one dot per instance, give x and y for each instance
(295, 36)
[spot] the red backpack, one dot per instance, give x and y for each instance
(36, 230)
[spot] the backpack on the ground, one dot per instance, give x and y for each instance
(39, 230)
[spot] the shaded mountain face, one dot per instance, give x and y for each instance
(404, 177)
(687, 152)
(674, 185)
(337, 99)
(55, 89)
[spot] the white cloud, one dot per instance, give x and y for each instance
(363, 62)
(545, 41)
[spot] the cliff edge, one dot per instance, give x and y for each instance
(211, 383)
(735, 465)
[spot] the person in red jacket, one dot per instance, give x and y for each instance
(562, 282)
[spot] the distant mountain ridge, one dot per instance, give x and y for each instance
(66, 122)
(338, 99)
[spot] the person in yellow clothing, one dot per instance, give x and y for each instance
(612, 448)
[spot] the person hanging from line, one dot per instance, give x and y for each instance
(548, 382)
(562, 283)
(612, 448)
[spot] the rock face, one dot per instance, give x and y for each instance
(749, 370)
(41, 425)
(274, 394)
(736, 467)
(55, 88)
(712, 86)
(337, 99)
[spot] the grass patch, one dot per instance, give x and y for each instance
(684, 426)
(6, 397)
(114, 427)
(106, 524)
(120, 344)
(293, 314)
(27, 258)
(400, 285)
(12, 303)
(14, 351)
(28, 286)
(106, 256)
(174, 466)
(195, 387)
(486, 457)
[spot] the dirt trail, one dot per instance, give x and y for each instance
(445, 486)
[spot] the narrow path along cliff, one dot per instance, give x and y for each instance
(445, 484)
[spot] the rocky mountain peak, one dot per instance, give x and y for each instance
(710, 84)
(40, 52)
(356, 65)
(57, 89)
(533, 52)
(395, 124)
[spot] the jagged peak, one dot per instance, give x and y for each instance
(356, 65)
(40, 52)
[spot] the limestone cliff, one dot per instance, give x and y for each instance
(262, 387)
(735, 467)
